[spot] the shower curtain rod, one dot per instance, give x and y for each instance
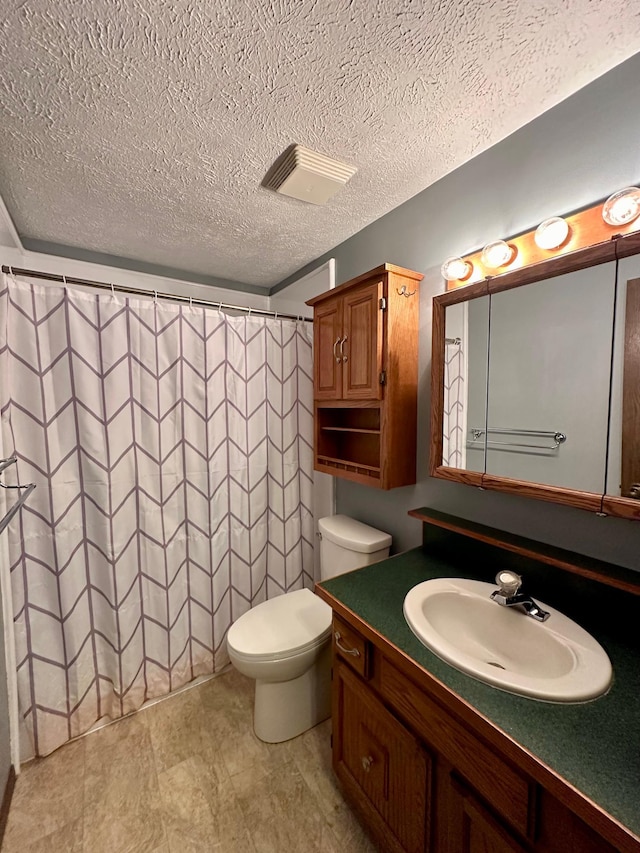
(139, 291)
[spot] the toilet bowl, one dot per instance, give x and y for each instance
(285, 642)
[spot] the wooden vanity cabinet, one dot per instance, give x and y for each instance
(365, 335)
(382, 763)
(423, 776)
(472, 828)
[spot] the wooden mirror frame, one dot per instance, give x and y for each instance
(617, 247)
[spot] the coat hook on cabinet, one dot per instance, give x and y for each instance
(402, 291)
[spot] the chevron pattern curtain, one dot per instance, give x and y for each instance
(172, 450)
(453, 427)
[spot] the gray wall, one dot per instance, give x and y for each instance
(569, 158)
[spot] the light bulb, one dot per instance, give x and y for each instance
(551, 233)
(497, 254)
(622, 207)
(455, 269)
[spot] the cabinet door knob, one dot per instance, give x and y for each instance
(367, 761)
(354, 652)
(335, 354)
(342, 352)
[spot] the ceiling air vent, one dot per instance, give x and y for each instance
(307, 175)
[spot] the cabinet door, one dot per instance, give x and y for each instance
(474, 829)
(327, 334)
(381, 765)
(363, 343)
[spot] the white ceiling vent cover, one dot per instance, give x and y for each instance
(309, 176)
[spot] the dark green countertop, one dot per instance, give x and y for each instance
(595, 745)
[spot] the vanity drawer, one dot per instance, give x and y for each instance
(351, 647)
(498, 783)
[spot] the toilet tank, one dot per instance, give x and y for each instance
(347, 544)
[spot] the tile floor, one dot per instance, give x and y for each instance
(186, 774)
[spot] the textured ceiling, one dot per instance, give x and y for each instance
(143, 128)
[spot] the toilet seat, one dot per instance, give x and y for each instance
(281, 627)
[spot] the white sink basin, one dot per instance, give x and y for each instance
(556, 660)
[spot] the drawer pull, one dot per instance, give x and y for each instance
(367, 761)
(354, 652)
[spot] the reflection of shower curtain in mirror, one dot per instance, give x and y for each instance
(172, 449)
(453, 454)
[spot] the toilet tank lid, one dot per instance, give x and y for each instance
(352, 534)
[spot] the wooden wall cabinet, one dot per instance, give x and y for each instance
(423, 777)
(365, 377)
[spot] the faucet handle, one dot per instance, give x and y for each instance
(508, 582)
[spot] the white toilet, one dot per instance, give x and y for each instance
(285, 643)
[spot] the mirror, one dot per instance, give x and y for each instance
(623, 470)
(534, 378)
(549, 380)
(465, 383)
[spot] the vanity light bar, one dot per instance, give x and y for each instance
(620, 214)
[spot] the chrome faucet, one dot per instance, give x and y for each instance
(508, 595)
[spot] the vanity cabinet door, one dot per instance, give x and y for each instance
(382, 766)
(498, 783)
(473, 828)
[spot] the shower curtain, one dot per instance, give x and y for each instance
(172, 451)
(454, 420)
